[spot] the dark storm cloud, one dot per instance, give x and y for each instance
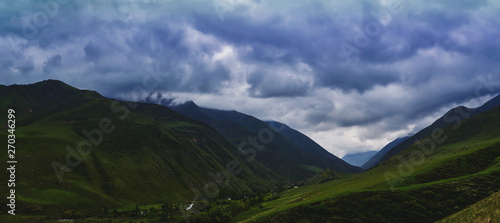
(92, 52)
(278, 84)
(312, 38)
(26, 66)
(361, 79)
(52, 63)
(416, 32)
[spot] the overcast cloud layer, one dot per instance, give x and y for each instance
(352, 75)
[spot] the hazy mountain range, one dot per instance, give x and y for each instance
(358, 159)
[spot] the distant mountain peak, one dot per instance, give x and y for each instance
(375, 159)
(190, 103)
(358, 159)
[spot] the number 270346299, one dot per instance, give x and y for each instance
(11, 137)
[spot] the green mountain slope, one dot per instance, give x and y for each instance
(460, 170)
(296, 159)
(453, 116)
(311, 147)
(77, 150)
(486, 210)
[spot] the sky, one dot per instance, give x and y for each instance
(352, 75)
